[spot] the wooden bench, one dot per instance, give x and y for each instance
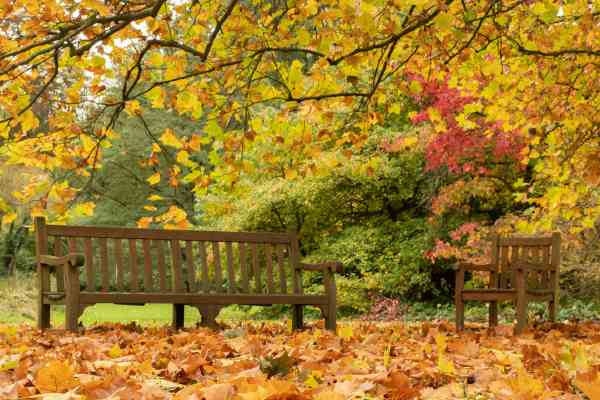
(522, 270)
(80, 266)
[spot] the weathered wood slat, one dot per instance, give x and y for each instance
(546, 260)
(204, 262)
(195, 298)
(281, 265)
(525, 241)
(160, 261)
(243, 268)
(269, 262)
(104, 271)
(296, 272)
(133, 267)
(147, 265)
(120, 265)
(60, 277)
(90, 271)
(503, 266)
(191, 269)
(218, 269)
(162, 234)
(176, 261)
(256, 268)
(231, 288)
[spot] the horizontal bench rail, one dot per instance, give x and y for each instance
(167, 234)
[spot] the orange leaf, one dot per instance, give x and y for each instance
(55, 377)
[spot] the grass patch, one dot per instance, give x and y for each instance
(18, 306)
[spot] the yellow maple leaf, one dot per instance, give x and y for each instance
(169, 138)
(154, 179)
(133, 107)
(8, 218)
(345, 331)
(55, 377)
(115, 351)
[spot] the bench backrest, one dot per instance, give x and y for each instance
(544, 250)
(179, 261)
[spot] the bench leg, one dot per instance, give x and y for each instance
(209, 314)
(43, 315)
(493, 318)
(297, 316)
(552, 310)
(330, 318)
(72, 313)
(178, 316)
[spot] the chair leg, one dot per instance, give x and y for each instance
(178, 316)
(521, 302)
(460, 314)
(458, 300)
(297, 316)
(493, 317)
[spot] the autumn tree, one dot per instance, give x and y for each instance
(243, 67)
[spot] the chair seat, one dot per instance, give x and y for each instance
(504, 294)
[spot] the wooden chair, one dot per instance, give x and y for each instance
(522, 270)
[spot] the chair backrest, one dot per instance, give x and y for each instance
(179, 261)
(544, 250)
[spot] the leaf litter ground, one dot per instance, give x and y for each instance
(266, 361)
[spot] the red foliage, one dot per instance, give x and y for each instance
(471, 151)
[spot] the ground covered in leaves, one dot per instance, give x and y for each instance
(268, 362)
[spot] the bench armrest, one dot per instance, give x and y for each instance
(465, 266)
(333, 266)
(73, 259)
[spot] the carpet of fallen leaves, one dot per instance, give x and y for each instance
(265, 361)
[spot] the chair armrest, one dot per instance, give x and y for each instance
(465, 266)
(73, 259)
(529, 266)
(333, 266)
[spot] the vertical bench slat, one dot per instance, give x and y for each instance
(191, 269)
(256, 268)
(104, 264)
(269, 261)
(119, 264)
(204, 262)
(243, 269)
(162, 272)
(515, 256)
(148, 286)
(60, 277)
(281, 264)
(90, 272)
(296, 272)
(176, 261)
(502, 267)
(133, 267)
(230, 271)
(546, 261)
(218, 269)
